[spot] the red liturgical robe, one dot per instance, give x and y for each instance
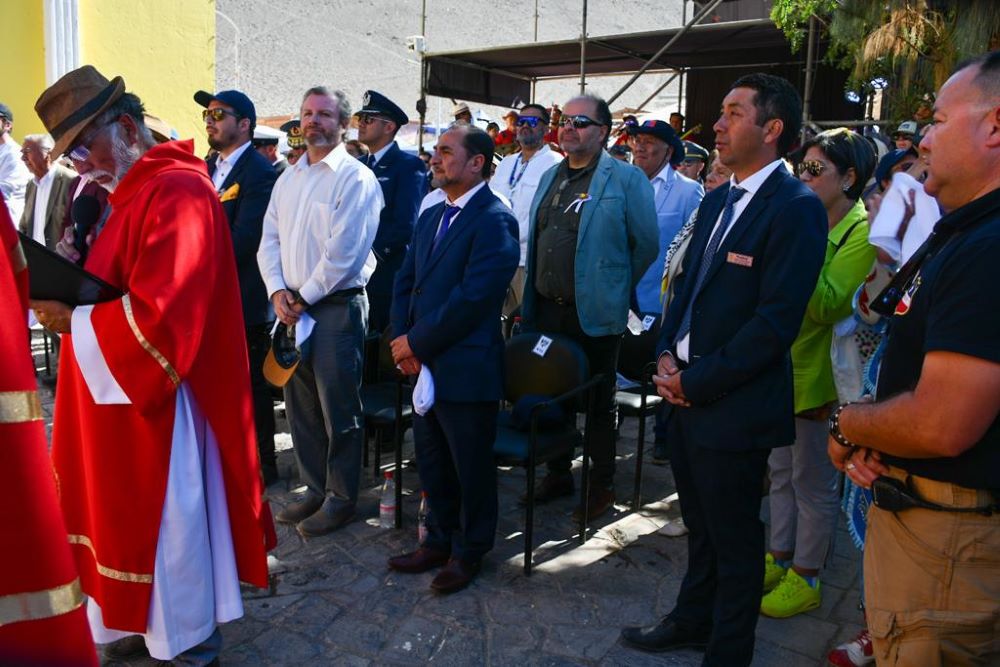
(42, 621)
(167, 246)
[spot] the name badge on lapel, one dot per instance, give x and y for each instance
(231, 193)
(739, 260)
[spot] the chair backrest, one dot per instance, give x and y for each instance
(563, 367)
(637, 351)
(378, 366)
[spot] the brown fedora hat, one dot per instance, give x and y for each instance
(68, 105)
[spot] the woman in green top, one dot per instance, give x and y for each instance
(804, 496)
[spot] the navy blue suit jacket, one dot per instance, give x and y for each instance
(403, 178)
(245, 213)
(447, 301)
(747, 313)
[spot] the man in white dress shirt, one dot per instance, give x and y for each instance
(14, 176)
(517, 178)
(315, 257)
(47, 194)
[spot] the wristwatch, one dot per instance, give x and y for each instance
(834, 424)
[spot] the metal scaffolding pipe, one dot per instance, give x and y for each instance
(649, 63)
(583, 51)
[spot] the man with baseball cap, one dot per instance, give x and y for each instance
(244, 179)
(506, 140)
(657, 150)
(152, 443)
(403, 178)
(14, 174)
(905, 135)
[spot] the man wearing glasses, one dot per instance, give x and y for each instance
(592, 234)
(244, 179)
(517, 178)
(403, 178)
(152, 446)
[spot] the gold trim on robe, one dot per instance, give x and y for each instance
(17, 407)
(146, 345)
(108, 572)
(38, 605)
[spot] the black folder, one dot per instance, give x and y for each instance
(53, 277)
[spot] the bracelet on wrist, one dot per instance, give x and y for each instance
(834, 426)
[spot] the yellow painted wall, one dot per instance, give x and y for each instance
(164, 50)
(22, 36)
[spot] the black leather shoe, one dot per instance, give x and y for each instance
(421, 560)
(126, 648)
(554, 485)
(455, 576)
(664, 636)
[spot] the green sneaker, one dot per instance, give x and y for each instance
(772, 573)
(792, 596)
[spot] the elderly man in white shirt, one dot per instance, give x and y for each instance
(315, 257)
(47, 194)
(517, 178)
(14, 176)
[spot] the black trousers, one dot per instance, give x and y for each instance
(258, 342)
(720, 497)
(602, 355)
(454, 444)
(379, 288)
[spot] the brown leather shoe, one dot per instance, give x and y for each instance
(322, 522)
(599, 501)
(303, 509)
(455, 576)
(554, 485)
(421, 560)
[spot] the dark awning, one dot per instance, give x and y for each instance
(503, 74)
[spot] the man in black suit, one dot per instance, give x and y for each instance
(446, 322)
(403, 178)
(244, 178)
(724, 367)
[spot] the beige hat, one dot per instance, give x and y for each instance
(460, 108)
(71, 103)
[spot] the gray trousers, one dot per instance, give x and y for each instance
(323, 402)
(804, 497)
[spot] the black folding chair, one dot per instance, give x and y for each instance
(561, 374)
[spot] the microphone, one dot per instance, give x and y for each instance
(85, 213)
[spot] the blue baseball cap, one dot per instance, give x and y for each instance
(234, 99)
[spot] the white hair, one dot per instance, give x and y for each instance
(43, 141)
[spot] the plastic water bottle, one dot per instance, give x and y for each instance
(422, 518)
(387, 505)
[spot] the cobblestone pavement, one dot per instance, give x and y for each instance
(334, 602)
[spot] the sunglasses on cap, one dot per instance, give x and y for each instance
(530, 121)
(813, 167)
(578, 121)
(217, 114)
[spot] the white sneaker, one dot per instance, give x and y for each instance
(674, 528)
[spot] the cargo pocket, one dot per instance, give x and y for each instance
(882, 628)
(932, 637)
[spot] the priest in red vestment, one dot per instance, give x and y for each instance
(42, 620)
(153, 441)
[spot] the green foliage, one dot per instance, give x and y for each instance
(912, 44)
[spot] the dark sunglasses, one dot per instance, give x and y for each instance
(578, 122)
(217, 114)
(530, 121)
(814, 167)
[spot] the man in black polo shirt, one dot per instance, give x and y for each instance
(932, 572)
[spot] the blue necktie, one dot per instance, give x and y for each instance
(449, 214)
(706, 259)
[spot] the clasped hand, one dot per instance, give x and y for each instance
(403, 356)
(668, 381)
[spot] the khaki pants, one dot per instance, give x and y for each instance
(932, 581)
(515, 292)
